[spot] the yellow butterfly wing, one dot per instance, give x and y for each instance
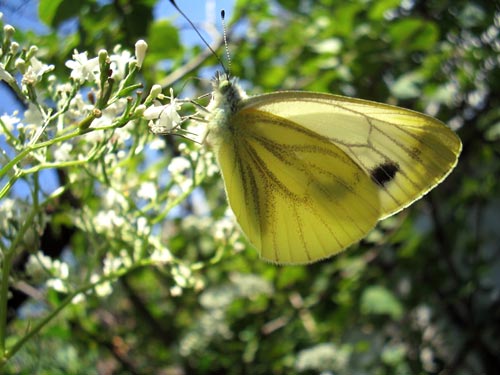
(405, 153)
(297, 196)
(308, 174)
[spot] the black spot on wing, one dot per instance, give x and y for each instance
(384, 173)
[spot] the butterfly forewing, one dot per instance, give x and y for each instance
(297, 196)
(405, 153)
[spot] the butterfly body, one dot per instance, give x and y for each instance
(308, 174)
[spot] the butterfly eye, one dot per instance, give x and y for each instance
(224, 86)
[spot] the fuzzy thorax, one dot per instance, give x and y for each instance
(227, 99)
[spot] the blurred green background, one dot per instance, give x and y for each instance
(420, 295)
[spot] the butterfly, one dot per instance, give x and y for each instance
(309, 174)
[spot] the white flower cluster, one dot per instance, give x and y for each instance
(324, 357)
(84, 125)
(54, 272)
(106, 80)
(84, 69)
(161, 256)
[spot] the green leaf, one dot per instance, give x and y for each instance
(414, 34)
(379, 8)
(379, 300)
(493, 133)
(393, 354)
(54, 12)
(47, 10)
(162, 38)
(408, 85)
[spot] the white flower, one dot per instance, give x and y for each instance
(33, 117)
(428, 359)
(119, 63)
(78, 107)
(79, 298)
(63, 90)
(35, 71)
(178, 166)
(142, 226)
(175, 291)
(223, 229)
(39, 264)
(7, 208)
(82, 68)
(148, 191)
(114, 200)
(182, 276)
(111, 264)
(323, 357)
(157, 144)
(102, 289)
(57, 284)
(140, 52)
(163, 118)
(161, 256)
(63, 152)
(126, 260)
(5, 75)
(9, 121)
(422, 316)
(62, 269)
(108, 220)
(207, 164)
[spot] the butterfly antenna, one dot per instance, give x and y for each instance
(199, 34)
(224, 34)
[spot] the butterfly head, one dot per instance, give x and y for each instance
(227, 94)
